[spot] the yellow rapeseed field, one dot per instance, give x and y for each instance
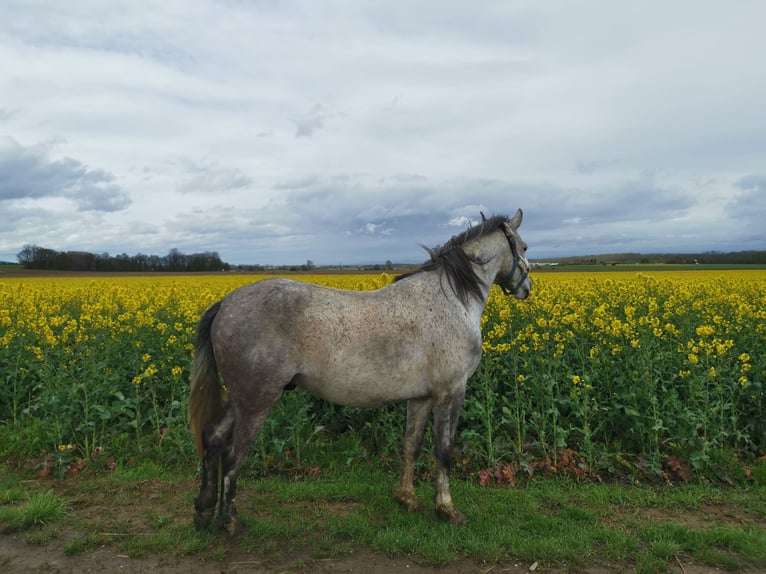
(612, 364)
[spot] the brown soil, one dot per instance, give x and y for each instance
(20, 557)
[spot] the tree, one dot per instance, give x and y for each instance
(27, 255)
(35, 257)
(176, 260)
(308, 266)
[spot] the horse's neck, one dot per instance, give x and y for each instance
(489, 250)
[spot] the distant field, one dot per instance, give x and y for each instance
(646, 267)
(19, 271)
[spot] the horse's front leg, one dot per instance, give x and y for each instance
(417, 416)
(445, 425)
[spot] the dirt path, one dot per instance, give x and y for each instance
(20, 557)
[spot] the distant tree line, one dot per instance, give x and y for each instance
(36, 257)
(707, 258)
(715, 257)
(310, 266)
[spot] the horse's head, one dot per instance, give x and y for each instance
(513, 276)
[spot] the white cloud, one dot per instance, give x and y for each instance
(460, 221)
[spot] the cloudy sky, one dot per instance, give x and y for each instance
(350, 131)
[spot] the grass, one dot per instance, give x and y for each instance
(20, 511)
(555, 522)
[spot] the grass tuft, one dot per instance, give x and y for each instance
(38, 509)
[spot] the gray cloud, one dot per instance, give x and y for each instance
(358, 218)
(214, 179)
(29, 173)
(312, 121)
(6, 114)
(390, 218)
(632, 200)
(749, 203)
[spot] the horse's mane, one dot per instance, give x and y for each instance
(456, 264)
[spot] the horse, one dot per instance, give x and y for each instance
(417, 339)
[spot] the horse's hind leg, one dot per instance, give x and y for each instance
(445, 424)
(249, 422)
(216, 440)
(227, 518)
(417, 416)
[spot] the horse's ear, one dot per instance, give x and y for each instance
(516, 219)
(483, 217)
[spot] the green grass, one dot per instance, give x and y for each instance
(555, 522)
(34, 509)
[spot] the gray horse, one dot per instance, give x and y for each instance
(417, 339)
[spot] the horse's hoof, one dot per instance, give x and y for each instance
(233, 527)
(409, 501)
(452, 515)
(202, 519)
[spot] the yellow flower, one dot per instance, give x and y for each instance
(705, 331)
(653, 306)
(743, 381)
(38, 353)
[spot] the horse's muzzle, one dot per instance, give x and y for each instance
(524, 289)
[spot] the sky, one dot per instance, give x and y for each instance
(355, 131)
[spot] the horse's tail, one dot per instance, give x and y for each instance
(206, 398)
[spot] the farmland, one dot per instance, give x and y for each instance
(647, 378)
(649, 375)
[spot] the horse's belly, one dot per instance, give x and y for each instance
(361, 392)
